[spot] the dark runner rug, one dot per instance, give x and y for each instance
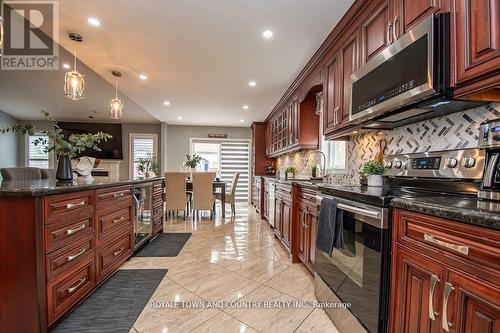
(165, 245)
(116, 305)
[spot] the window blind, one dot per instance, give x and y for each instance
(235, 157)
(37, 157)
(142, 147)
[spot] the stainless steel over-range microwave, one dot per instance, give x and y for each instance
(409, 80)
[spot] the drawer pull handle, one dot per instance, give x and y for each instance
(118, 195)
(434, 281)
(448, 288)
(463, 249)
(119, 220)
(73, 205)
(72, 231)
(73, 257)
(78, 285)
(119, 251)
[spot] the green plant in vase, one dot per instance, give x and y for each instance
(290, 172)
(64, 148)
(192, 161)
(373, 171)
(148, 166)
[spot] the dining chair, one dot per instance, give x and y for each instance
(203, 196)
(176, 196)
(21, 173)
(231, 194)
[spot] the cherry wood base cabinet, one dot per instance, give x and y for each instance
(445, 276)
(56, 249)
(304, 227)
(283, 213)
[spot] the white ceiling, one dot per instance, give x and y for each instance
(201, 54)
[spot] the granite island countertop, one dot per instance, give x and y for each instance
(462, 209)
(52, 186)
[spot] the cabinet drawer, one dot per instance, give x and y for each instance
(110, 197)
(63, 259)
(308, 198)
(111, 256)
(67, 232)
(63, 206)
(448, 239)
(108, 224)
(68, 289)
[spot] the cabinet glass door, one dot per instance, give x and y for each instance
(143, 226)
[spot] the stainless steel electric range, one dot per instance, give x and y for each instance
(356, 272)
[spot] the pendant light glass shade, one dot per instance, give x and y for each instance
(116, 105)
(74, 84)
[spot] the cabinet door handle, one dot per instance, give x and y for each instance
(394, 33)
(335, 116)
(72, 231)
(78, 285)
(388, 34)
(70, 258)
(118, 220)
(118, 195)
(434, 281)
(72, 205)
(119, 251)
(463, 249)
(1, 32)
(448, 288)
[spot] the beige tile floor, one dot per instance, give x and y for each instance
(228, 260)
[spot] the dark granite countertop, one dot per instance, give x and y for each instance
(52, 186)
(462, 209)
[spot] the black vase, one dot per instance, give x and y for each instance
(64, 170)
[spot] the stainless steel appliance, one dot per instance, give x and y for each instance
(357, 272)
(490, 141)
(143, 219)
(408, 81)
(270, 203)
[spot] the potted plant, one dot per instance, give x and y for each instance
(192, 161)
(290, 172)
(314, 170)
(373, 171)
(148, 166)
(64, 148)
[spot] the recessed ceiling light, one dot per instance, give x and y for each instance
(252, 83)
(93, 21)
(143, 77)
(245, 107)
(166, 103)
(66, 66)
(179, 118)
(267, 34)
(242, 120)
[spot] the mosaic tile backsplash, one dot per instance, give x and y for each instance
(455, 131)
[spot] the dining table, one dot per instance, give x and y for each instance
(217, 184)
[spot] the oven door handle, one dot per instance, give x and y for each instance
(360, 211)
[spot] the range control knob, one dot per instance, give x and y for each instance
(398, 164)
(468, 162)
(496, 137)
(451, 162)
(388, 164)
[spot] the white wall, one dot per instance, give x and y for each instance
(178, 140)
(8, 143)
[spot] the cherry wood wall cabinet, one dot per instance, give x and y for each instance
(366, 30)
(259, 149)
(445, 276)
(283, 213)
(295, 127)
(476, 48)
(57, 248)
(304, 227)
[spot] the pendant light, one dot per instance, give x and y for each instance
(74, 82)
(116, 104)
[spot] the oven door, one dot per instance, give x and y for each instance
(356, 270)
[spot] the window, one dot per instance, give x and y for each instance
(225, 157)
(37, 157)
(335, 152)
(141, 146)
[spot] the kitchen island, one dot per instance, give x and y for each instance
(60, 241)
